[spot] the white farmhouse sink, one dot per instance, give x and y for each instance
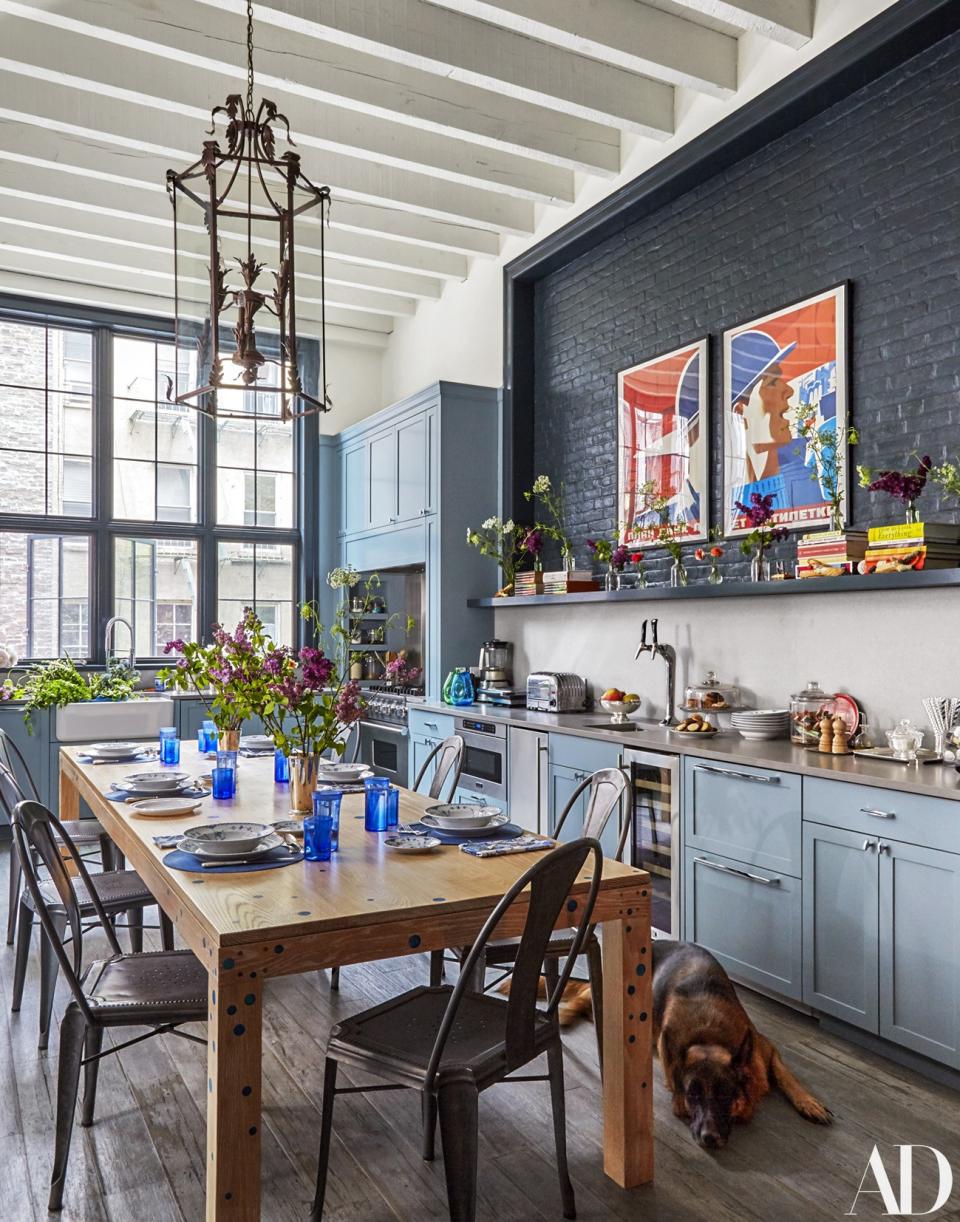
(96, 720)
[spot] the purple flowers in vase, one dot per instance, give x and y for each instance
(905, 486)
(759, 515)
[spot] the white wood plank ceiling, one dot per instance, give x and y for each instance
(440, 125)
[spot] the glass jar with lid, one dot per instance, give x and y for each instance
(711, 695)
(806, 710)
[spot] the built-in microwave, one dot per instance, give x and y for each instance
(484, 769)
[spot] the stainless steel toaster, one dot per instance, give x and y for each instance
(555, 692)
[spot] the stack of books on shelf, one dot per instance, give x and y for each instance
(830, 553)
(912, 545)
(561, 581)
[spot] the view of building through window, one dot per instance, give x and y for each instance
(56, 424)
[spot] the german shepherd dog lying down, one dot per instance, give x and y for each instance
(715, 1063)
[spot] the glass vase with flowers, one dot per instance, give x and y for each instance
(904, 486)
(614, 555)
(759, 514)
(543, 496)
(500, 540)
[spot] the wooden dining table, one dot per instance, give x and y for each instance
(368, 902)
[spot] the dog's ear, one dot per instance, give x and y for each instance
(744, 1054)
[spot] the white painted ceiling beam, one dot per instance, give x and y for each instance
(134, 77)
(158, 259)
(21, 284)
(626, 33)
(130, 233)
(787, 21)
(415, 34)
(153, 129)
(198, 37)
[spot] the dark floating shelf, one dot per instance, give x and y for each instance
(852, 582)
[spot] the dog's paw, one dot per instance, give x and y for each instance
(816, 1112)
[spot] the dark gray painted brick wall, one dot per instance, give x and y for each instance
(868, 191)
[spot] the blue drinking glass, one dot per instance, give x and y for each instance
(317, 837)
(375, 803)
(224, 782)
(393, 806)
(169, 745)
(210, 732)
(327, 802)
(281, 767)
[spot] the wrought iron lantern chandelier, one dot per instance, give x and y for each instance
(235, 271)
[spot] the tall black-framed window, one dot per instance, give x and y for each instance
(129, 506)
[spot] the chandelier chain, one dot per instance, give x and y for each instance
(250, 55)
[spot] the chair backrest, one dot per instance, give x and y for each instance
(35, 834)
(607, 787)
(16, 782)
(351, 747)
(550, 880)
(448, 756)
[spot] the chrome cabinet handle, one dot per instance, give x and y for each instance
(754, 878)
(883, 848)
(431, 725)
(877, 814)
(739, 776)
(869, 844)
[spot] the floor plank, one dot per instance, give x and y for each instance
(143, 1159)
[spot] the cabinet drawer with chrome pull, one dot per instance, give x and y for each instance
(752, 815)
(912, 818)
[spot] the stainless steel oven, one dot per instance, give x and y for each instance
(484, 769)
(655, 838)
(384, 747)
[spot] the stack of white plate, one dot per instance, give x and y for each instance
(759, 724)
(342, 774)
(117, 752)
(230, 841)
(155, 784)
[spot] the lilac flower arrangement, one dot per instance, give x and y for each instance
(532, 545)
(905, 486)
(759, 515)
(610, 552)
(399, 670)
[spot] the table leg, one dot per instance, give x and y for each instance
(69, 798)
(233, 1093)
(628, 1048)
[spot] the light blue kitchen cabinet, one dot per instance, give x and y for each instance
(191, 714)
(430, 724)
(353, 485)
(751, 815)
(571, 761)
(383, 477)
(427, 468)
(841, 924)
(34, 747)
(920, 949)
(749, 918)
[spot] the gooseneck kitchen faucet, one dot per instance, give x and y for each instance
(669, 655)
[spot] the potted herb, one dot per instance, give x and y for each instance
(759, 513)
(904, 486)
(59, 682)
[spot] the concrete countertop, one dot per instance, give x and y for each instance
(931, 780)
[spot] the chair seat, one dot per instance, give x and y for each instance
(117, 889)
(83, 831)
(395, 1039)
(169, 984)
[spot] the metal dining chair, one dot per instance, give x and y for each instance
(351, 747)
(451, 1043)
(17, 785)
(113, 891)
(447, 756)
(606, 789)
(157, 989)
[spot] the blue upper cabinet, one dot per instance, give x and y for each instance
(412, 478)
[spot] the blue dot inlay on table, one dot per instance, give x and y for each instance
(414, 940)
(247, 1091)
(229, 963)
(231, 1009)
(250, 999)
(239, 1029)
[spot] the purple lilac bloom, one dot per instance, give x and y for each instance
(533, 542)
(906, 486)
(174, 646)
(349, 703)
(619, 557)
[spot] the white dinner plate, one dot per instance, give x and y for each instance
(117, 750)
(257, 742)
(161, 808)
(496, 822)
(411, 842)
(230, 839)
(454, 816)
(202, 850)
(343, 772)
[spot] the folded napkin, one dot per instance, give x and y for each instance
(169, 840)
(256, 752)
(191, 791)
(527, 843)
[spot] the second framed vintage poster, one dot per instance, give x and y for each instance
(663, 444)
(796, 355)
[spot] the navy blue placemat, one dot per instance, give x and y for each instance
(274, 860)
(142, 757)
(507, 832)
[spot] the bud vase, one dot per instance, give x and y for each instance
(303, 781)
(759, 569)
(678, 575)
(611, 579)
(715, 577)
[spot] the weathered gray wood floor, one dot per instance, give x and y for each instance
(143, 1159)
